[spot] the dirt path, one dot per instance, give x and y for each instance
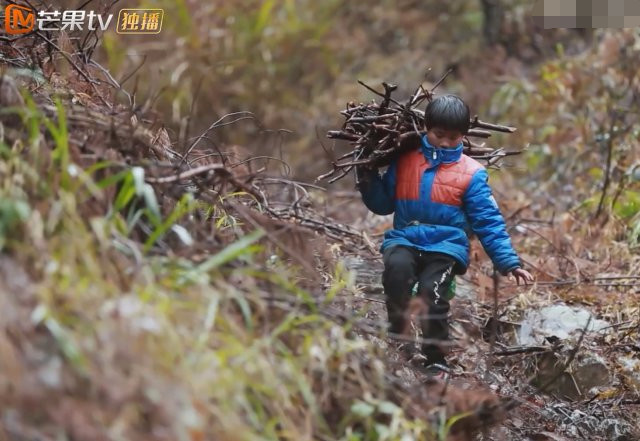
(539, 416)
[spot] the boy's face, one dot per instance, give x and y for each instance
(443, 138)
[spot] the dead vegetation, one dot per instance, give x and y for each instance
(160, 291)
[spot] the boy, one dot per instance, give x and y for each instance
(439, 196)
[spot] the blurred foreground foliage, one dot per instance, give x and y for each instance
(104, 316)
(107, 336)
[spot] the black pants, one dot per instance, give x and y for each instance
(434, 272)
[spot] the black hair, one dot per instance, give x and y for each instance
(448, 112)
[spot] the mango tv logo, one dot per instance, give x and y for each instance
(20, 19)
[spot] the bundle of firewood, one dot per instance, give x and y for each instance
(379, 132)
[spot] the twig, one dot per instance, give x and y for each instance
(84, 75)
(218, 123)
(494, 324)
(475, 122)
(185, 175)
(572, 355)
(378, 93)
(113, 81)
(607, 174)
(522, 350)
(446, 74)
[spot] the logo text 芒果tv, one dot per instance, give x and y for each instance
(19, 19)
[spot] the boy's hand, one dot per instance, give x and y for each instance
(523, 274)
(363, 175)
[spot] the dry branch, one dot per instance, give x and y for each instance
(379, 132)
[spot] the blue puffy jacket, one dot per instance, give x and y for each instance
(439, 197)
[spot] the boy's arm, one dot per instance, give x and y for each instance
(378, 193)
(487, 223)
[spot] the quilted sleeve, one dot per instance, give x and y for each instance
(378, 193)
(488, 224)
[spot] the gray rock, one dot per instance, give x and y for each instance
(617, 430)
(559, 320)
(630, 371)
(587, 371)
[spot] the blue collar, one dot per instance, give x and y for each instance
(436, 155)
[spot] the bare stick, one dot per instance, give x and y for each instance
(185, 175)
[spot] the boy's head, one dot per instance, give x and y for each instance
(447, 120)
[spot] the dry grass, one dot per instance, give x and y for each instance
(144, 302)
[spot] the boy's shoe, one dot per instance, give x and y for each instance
(438, 370)
(407, 349)
(417, 359)
(411, 355)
